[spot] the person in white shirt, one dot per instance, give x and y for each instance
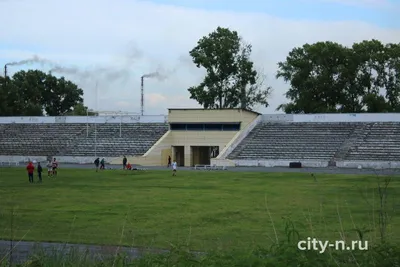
(49, 168)
(174, 168)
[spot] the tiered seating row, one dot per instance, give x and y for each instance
(108, 140)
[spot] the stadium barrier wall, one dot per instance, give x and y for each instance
(277, 117)
(368, 164)
(88, 119)
(11, 160)
(279, 163)
(350, 117)
(361, 117)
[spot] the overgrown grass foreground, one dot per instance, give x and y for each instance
(240, 217)
(282, 254)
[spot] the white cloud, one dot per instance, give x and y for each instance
(132, 38)
(365, 3)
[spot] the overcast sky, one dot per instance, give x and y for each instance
(114, 42)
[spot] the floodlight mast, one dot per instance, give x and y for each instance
(142, 95)
(95, 123)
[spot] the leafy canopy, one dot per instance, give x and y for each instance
(231, 80)
(326, 77)
(35, 93)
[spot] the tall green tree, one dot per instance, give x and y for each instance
(35, 93)
(81, 110)
(231, 80)
(313, 72)
(329, 77)
(392, 79)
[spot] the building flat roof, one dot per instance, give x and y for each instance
(216, 109)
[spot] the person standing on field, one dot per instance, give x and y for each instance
(49, 168)
(102, 164)
(97, 163)
(30, 168)
(54, 166)
(39, 172)
(169, 161)
(124, 161)
(174, 168)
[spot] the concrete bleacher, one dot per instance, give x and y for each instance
(79, 139)
(113, 140)
(37, 139)
(293, 141)
(379, 142)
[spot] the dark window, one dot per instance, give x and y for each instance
(213, 127)
(205, 127)
(231, 127)
(195, 127)
(178, 127)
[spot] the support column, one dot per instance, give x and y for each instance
(188, 156)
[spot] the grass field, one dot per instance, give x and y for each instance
(205, 210)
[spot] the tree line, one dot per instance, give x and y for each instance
(35, 93)
(324, 77)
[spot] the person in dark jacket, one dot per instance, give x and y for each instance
(102, 164)
(97, 163)
(124, 161)
(39, 172)
(169, 161)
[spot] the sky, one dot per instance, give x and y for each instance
(105, 46)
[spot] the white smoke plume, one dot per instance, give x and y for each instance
(33, 60)
(160, 74)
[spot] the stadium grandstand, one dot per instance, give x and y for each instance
(198, 137)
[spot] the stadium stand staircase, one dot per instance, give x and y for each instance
(359, 133)
(381, 142)
(293, 141)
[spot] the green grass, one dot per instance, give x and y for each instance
(204, 210)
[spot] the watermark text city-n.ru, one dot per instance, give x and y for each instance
(321, 246)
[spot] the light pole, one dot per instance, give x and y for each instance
(87, 122)
(142, 95)
(95, 125)
(120, 124)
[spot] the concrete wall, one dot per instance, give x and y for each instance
(268, 163)
(277, 117)
(351, 117)
(89, 119)
(368, 164)
(211, 115)
(61, 159)
(196, 115)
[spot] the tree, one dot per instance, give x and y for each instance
(230, 80)
(81, 110)
(33, 93)
(329, 77)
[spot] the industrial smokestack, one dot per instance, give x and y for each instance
(5, 75)
(142, 95)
